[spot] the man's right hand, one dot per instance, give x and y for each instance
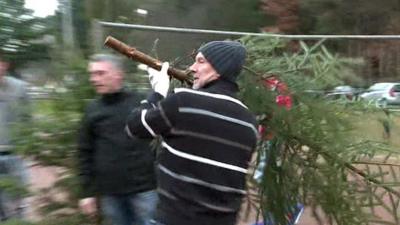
(88, 206)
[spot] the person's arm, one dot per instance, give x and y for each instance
(153, 118)
(87, 204)
(155, 115)
(25, 103)
(85, 156)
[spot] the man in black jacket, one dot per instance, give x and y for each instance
(118, 169)
(208, 138)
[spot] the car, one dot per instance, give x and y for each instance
(345, 92)
(382, 94)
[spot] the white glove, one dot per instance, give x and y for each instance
(159, 80)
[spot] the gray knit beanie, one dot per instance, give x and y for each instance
(227, 57)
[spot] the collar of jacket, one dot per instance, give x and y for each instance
(113, 97)
(221, 87)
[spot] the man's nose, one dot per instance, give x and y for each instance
(192, 67)
(92, 79)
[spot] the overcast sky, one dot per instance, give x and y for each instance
(42, 8)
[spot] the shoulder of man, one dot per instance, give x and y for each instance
(92, 104)
(187, 91)
(134, 94)
(15, 82)
(208, 95)
(16, 86)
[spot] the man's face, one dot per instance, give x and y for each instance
(104, 77)
(204, 72)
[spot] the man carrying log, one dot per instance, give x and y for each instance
(208, 137)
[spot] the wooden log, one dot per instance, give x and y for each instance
(136, 55)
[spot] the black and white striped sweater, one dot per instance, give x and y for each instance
(208, 138)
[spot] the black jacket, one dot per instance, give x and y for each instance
(208, 138)
(110, 161)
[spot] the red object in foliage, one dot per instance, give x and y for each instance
(284, 98)
(271, 83)
(265, 133)
(282, 87)
(261, 129)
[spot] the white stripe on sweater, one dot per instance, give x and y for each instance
(128, 131)
(203, 160)
(218, 96)
(145, 124)
(200, 182)
(218, 116)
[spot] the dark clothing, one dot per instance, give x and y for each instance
(208, 138)
(110, 161)
(130, 209)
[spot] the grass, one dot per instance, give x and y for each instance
(370, 126)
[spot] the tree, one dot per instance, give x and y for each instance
(358, 17)
(312, 156)
(286, 13)
(345, 17)
(309, 151)
(21, 34)
(50, 140)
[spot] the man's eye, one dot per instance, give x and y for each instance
(99, 73)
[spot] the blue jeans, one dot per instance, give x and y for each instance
(12, 167)
(130, 209)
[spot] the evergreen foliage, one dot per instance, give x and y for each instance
(312, 158)
(349, 17)
(21, 34)
(12, 186)
(50, 139)
(16, 222)
(309, 151)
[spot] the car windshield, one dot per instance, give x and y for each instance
(379, 86)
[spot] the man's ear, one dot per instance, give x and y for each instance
(217, 76)
(121, 75)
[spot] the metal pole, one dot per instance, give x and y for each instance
(202, 31)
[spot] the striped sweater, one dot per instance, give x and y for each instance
(208, 138)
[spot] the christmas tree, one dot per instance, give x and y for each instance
(308, 153)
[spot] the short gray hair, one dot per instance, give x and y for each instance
(114, 60)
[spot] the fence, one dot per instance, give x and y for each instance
(379, 52)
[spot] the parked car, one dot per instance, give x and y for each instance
(382, 94)
(314, 93)
(345, 92)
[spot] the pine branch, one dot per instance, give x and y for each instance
(352, 168)
(375, 163)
